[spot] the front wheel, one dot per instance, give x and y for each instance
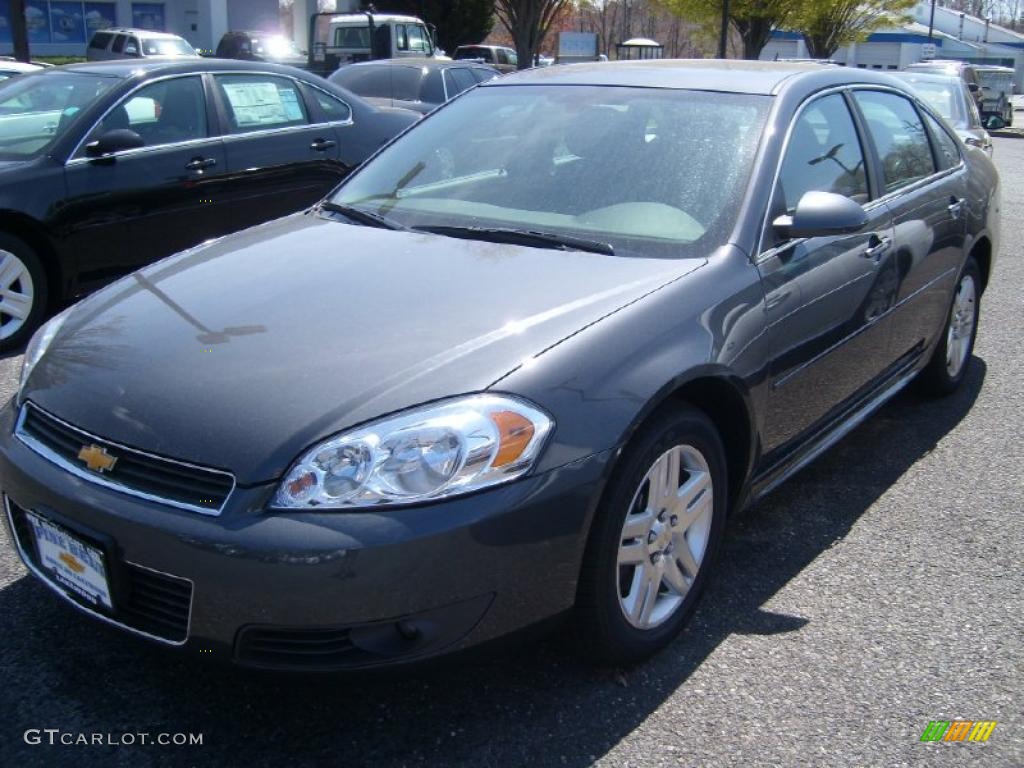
(951, 359)
(22, 292)
(654, 538)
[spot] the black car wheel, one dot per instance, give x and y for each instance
(23, 292)
(951, 359)
(654, 538)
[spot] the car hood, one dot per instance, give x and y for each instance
(241, 353)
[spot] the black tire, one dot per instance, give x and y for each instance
(937, 378)
(603, 630)
(15, 338)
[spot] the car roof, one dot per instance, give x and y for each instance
(171, 65)
(924, 76)
(138, 32)
(418, 63)
(725, 75)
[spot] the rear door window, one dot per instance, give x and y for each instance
(459, 79)
(899, 136)
(100, 41)
(119, 42)
(947, 153)
(261, 102)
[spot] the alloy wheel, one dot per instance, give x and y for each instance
(665, 536)
(17, 294)
(961, 326)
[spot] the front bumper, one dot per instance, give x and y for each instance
(321, 590)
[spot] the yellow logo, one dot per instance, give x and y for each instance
(96, 458)
(71, 562)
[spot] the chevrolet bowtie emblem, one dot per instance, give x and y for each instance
(96, 458)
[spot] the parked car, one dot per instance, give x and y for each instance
(419, 84)
(969, 73)
(261, 46)
(949, 96)
(997, 90)
(119, 43)
(502, 59)
(479, 386)
(111, 165)
(10, 68)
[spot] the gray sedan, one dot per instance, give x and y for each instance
(523, 363)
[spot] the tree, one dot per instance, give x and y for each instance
(529, 21)
(458, 22)
(19, 31)
(828, 25)
(753, 20)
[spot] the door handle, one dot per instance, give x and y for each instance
(878, 247)
(954, 207)
(322, 145)
(199, 163)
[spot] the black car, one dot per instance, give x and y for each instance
(420, 84)
(108, 166)
(523, 363)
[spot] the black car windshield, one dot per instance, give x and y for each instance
(651, 172)
(36, 109)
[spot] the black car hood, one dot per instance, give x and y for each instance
(241, 353)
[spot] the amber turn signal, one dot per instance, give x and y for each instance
(514, 433)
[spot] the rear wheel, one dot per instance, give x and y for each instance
(951, 359)
(23, 293)
(654, 538)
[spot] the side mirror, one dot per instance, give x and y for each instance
(973, 87)
(820, 214)
(113, 141)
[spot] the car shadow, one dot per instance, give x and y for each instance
(530, 701)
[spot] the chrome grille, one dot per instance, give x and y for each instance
(135, 472)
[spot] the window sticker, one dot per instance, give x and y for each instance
(260, 104)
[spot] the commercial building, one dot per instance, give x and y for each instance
(63, 27)
(955, 35)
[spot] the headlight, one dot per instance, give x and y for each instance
(431, 452)
(37, 347)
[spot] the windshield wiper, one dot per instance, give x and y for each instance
(521, 237)
(360, 216)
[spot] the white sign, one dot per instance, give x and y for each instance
(577, 44)
(927, 51)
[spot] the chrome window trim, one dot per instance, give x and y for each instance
(74, 154)
(765, 254)
(95, 479)
(129, 153)
(55, 587)
(75, 159)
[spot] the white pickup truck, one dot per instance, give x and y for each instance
(338, 39)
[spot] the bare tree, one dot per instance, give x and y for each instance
(529, 21)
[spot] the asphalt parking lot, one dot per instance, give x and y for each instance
(878, 590)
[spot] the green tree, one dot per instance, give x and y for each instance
(828, 25)
(458, 22)
(753, 20)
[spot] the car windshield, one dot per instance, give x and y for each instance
(942, 95)
(651, 172)
(167, 46)
(35, 109)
